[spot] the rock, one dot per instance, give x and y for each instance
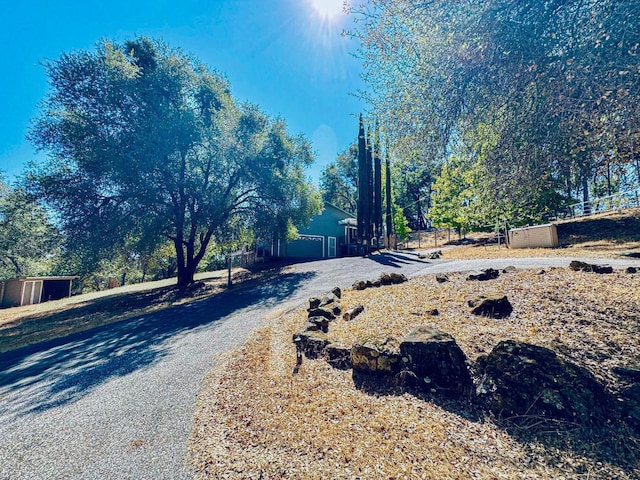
(494, 306)
(407, 379)
(542, 271)
(337, 291)
(433, 312)
(435, 255)
(509, 269)
(328, 299)
(520, 379)
(384, 279)
(631, 254)
(376, 356)
(436, 360)
(631, 270)
(311, 343)
(314, 302)
(397, 278)
(322, 312)
(360, 285)
(353, 312)
(486, 274)
(313, 327)
(590, 267)
(338, 356)
(441, 278)
(321, 322)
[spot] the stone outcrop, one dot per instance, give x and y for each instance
(484, 275)
(379, 356)
(523, 380)
(436, 360)
(384, 279)
(590, 267)
(494, 306)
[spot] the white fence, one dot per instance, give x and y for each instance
(611, 203)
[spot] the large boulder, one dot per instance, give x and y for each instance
(494, 306)
(436, 360)
(524, 380)
(376, 356)
(338, 356)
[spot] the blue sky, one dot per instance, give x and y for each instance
(287, 56)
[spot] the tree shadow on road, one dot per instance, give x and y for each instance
(394, 260)
(60, 371)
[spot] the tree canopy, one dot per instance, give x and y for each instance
(548, 89)
(147, 144)
(339, 180)
(28, 241)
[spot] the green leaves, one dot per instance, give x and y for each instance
(147, 143)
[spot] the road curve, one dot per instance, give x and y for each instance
(117, 402)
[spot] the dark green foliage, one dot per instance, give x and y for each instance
(388, 215)
(339, 180)
(363, 182)
(28, 241)
(377, 185)
(552, 84)
(147, 145)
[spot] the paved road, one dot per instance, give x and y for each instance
(117, 402)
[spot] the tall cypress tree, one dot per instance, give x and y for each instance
(388, 218)
(362, 182)
(377, 185)
(369, 199)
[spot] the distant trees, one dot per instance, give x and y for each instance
(29, 243)
(148, 145)
(339, 180)
(547, 89)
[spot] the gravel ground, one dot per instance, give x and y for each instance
(117, 402)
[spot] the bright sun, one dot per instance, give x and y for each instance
(328, 9)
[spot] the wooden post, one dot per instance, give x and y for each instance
(229, 282)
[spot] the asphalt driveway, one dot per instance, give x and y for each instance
(117, 402)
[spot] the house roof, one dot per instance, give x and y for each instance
(351, 215)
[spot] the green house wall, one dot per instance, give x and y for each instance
(315, 239)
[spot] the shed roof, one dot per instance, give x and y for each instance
(31, 279)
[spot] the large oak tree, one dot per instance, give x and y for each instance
(145, 142)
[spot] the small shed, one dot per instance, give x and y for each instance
(538, 236)
(328, 235)
(33, 290)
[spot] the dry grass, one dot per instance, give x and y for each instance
(592, 249)
(30, 324)
(255, 419)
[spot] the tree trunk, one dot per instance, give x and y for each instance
(586, 208)
(186, 274)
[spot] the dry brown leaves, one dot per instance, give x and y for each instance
(255, 419)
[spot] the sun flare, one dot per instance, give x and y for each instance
(328, 9)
